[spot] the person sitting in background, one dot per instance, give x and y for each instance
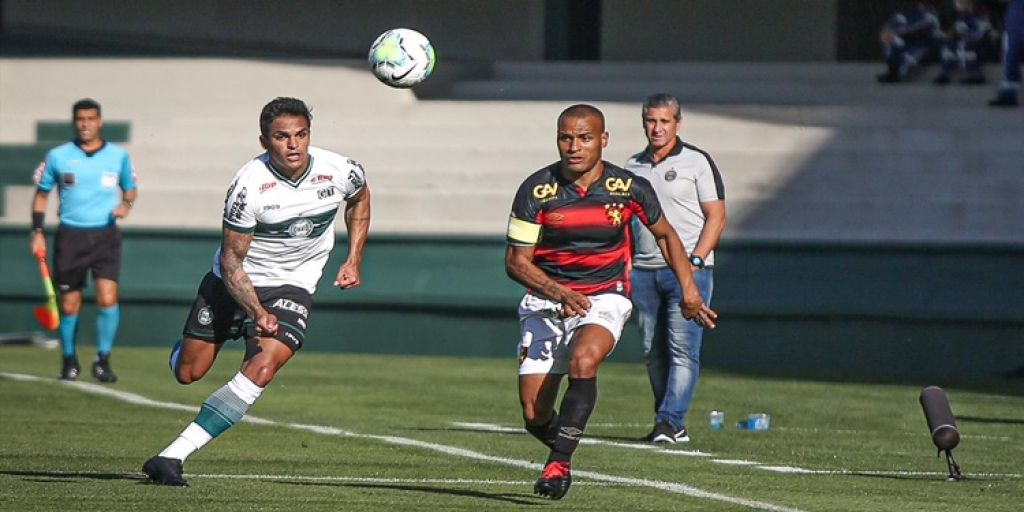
(967, 44)
(910, 39)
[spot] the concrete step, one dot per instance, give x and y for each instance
(714, 83)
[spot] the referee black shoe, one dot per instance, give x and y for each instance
(164, 471)
(69, 369)
(101, 369)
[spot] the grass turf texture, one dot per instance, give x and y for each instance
(66, 447)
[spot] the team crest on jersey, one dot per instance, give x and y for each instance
(301, 228)
(670, 175)
(618, 186)
(614, 213)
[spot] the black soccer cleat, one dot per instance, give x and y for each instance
(101, 369)
(70, 369)
(554, 480)
(164, 471)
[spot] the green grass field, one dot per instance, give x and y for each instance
(356, 432)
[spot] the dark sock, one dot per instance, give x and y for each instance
(545, 433)
(577, 405)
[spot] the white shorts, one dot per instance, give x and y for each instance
(544, 336)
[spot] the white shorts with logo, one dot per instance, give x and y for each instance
(544, 336)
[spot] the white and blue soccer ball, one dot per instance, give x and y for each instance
(402, 57)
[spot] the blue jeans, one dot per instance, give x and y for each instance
(671, 343)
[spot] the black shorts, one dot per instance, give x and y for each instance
(217, 318)
(77, 251)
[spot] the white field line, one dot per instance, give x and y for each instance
(487, 427)
(672, 487)
(845, 432)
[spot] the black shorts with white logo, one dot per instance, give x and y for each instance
(217, 318)
(78, 251)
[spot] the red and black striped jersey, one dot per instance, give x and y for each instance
(582, 236)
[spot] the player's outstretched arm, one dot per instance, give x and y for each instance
(357, 222)
(234, 246)
(675, 255)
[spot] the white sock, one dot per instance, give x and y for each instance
(246, 389)
(194, 436)
(190, 440)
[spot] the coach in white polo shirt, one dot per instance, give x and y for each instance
(692, 196)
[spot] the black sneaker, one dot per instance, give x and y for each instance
(164, 471)
(101, 369)
(682, 436)
(942, 79)
(554, 480)
(70, 369)
(664, 432)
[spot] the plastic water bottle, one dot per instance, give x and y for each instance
(756, 421)
(716, 419)
(759, 421)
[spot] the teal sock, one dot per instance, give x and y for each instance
(107, 320)
(227, 405)
(67, 328)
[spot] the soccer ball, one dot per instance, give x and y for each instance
(401, 57)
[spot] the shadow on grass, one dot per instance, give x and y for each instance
(57, 476)
(978, 419)
(642, 439)
(507, 498)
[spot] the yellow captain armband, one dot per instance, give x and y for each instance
(523, 232)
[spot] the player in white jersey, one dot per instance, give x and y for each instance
(277, 236)
(292, 220)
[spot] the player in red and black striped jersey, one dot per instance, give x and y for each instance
(568, 244)
(584, 246)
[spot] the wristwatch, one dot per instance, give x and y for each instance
(697, 261)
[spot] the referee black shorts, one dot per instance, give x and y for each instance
(78, 251)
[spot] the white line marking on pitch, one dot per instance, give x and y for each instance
(673, 487)
(845, 432)
(487, 427)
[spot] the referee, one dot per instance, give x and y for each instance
(96, 186)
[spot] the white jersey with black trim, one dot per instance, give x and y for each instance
(292, 220)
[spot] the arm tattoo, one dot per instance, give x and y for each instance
(234, 247)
